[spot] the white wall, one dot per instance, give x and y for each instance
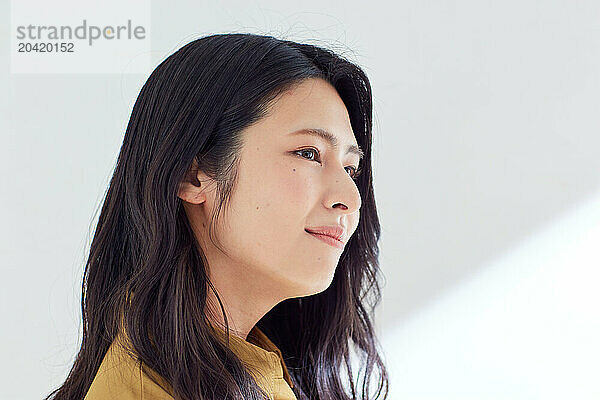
(486, 174)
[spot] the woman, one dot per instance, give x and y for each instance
(236, 253)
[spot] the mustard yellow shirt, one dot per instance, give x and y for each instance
(120, 377)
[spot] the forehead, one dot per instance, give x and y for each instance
(313, 103)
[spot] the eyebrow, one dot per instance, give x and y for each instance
(331, 139)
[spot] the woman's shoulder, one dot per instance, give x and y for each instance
(121, 377)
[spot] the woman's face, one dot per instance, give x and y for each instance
(287, 182)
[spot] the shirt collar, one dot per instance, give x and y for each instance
(258, 352)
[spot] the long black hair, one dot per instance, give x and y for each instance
(193, 108)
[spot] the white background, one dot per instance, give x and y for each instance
(486, 178)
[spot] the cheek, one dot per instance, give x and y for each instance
(265, 232)
(284, 185)
(295, 187)
(268, 209)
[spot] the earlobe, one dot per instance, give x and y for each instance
(191, 193)
(191, 190)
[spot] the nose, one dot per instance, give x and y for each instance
(343, 194)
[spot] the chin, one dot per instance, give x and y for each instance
(320, 286)
(309, 290)
(309, 284)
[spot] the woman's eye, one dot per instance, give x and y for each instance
(355, 171)
(313, 151)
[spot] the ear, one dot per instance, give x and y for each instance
(193, 187)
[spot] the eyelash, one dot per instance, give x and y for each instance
(357, 171)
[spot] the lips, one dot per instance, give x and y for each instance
(335, 231)
(332, 235)
(328, 239)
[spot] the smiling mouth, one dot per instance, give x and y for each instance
(327, 239)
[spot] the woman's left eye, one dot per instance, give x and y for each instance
(356, 171)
